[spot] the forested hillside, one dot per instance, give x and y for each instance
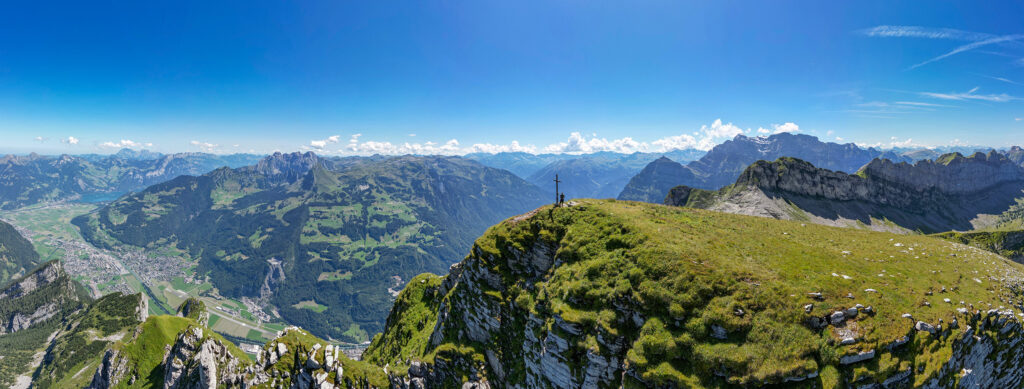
(324, 244)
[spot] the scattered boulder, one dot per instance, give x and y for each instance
(837, 317)
(922, 326)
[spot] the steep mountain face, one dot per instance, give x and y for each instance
(1016, 154)
(26, 180)
(31, 308)
(655, 180)
(952, 193)
(726, 161)
(45, 293)
(621, 294)
(320, 241)
(16, 253)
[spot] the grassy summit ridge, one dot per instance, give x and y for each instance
(664, 279)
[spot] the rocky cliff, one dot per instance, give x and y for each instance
(610, 294)
(952, 193)
(45, 293)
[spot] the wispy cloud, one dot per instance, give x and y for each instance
(1003, 79)
(976, 39)
(919, 104)
(924, 32)
(970, 95)
(972, 46)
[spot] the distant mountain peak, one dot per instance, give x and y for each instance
(289, 166)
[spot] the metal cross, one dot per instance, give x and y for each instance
(556, 188)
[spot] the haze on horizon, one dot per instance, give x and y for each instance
(459, 77)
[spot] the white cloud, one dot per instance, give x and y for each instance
(970, 95)
(509, 148)
(451, 147)
(122, 144)
(579, 144)
(895, 142)
(70, 140)
(1018, 119)
(705, 138)
(779, 128)
(785, 127)
(678, 142)
(204, 146)
(322, 143)
(40, 139)
(839, 139)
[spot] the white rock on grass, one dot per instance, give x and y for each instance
(837, 317)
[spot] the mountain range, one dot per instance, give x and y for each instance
(31, 179)
(319, 241)
(594, 175)
(723, 163)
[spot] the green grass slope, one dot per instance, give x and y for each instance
(686, 271)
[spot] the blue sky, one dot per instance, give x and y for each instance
(361, 77)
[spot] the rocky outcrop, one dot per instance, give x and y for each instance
(195, 361)
(194, 309)
(112, 370)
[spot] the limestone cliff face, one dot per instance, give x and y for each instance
(38, 279)
(524, 349)
(950, 193)
(26, 307)
(883, 182)
(951, 173)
